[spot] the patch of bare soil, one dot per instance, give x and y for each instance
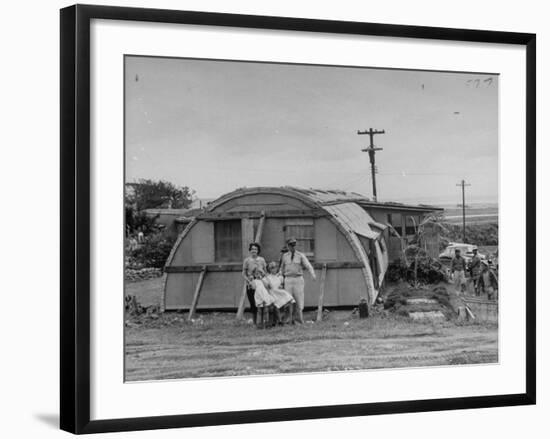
(167, 346)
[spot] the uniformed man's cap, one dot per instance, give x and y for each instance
(291, 241)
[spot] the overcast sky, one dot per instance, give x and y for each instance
(216, 125)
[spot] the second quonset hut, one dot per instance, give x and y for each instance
(348, 239)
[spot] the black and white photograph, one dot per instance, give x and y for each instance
(293, 218)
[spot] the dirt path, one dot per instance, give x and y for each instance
(217, 345)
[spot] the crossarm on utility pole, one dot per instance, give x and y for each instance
(371, 149)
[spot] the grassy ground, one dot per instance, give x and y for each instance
(147, 292)
(215, 344)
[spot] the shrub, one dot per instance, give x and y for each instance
(396, 271)
(153, 252)
(428, 270)
(479, 234)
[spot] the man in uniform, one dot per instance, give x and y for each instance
(475, 271)
(293, 264)
(458, 268)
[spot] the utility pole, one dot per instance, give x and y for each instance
(372, 150)
(463, 184)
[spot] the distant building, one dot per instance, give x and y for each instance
(354, 237)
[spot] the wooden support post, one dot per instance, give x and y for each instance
(240, 308)
(197, 293)
(257, 238)
(260, 230)
(321, 294)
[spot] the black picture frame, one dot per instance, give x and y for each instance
(75, 217)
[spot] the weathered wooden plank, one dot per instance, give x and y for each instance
(239, 267)
(197, 293)
(470, 313)
(240, 308)
(247, 225)
(260, 230)
(332, 265)
(322, 293)
(198, 268)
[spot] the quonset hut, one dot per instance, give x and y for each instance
(345, 235)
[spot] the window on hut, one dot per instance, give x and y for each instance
(304, 233)
(395, 220)
(411, 225)
(228, 241)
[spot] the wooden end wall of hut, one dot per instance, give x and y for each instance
(221, 290)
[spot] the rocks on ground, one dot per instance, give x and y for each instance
(137, 274)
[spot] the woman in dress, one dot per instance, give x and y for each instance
(282, 298)
(252, 262)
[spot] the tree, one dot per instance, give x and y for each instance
(139, 221)
(150, 194)
(416, 265)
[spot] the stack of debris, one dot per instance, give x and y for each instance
(135, 309)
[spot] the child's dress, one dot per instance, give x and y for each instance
(261, 296)
(281, 297)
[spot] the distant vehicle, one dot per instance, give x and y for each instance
(466, 250)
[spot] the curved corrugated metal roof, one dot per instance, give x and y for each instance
(354, 218)
(325, 196)
(332, 196)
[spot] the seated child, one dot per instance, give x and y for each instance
(281, 298)
(264, 300)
